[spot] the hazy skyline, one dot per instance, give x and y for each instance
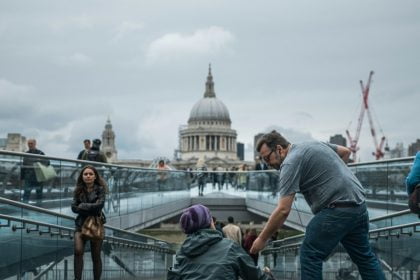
(66, 66)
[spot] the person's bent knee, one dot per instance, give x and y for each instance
(96, 257)
(310, 257)
(78, 252)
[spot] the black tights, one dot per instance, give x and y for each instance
(79, 249)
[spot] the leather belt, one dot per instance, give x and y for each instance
(343, 204)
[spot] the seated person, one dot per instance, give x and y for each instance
(205, 254)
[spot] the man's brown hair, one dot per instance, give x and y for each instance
(272, 139)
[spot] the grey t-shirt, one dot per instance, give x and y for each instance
(316, 170)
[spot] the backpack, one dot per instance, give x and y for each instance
(414, 200)
(92, 155)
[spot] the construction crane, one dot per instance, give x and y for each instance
(353, 141)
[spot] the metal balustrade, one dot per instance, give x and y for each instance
(394, 245)
(39, 246)
(138, 199)
(67, 232)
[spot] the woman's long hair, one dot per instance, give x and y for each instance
(81, 188)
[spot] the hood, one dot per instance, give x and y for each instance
(199, 242)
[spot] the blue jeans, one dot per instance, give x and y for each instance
(350, 226)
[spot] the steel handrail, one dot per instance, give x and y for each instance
(372, 235)
(109, 239)
(119, 166)
(392, 215)
(25, 221)
(288, 239)
(49, 212)
(382, 161)
(23, 154)
(384, 217)
(81, 162)
(391, 228)
(397, 214)
(46, 270)
(281, 248)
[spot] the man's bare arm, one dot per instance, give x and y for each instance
(276, 220)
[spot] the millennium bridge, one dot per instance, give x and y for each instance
(36, 236)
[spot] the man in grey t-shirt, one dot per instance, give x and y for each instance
(335, 195)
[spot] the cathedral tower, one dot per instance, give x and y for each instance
(108, 142)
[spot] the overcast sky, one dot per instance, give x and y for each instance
(65, 66)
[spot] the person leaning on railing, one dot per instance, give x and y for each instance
(88, 200)
(336, 197)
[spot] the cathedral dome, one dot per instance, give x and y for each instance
(209, 108)
(208, 135)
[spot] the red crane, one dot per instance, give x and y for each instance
(365, 108)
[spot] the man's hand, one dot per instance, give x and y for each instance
(257, 246)
(275, 221)
(268, 272)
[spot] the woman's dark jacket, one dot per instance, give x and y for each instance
(206, 255)
(88, 204)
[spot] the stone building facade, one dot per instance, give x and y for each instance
(413, 148)
(14, 142)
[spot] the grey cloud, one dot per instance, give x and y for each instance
(294, 136)
(201, 42)
(15, 102)
(75, 59)
(125, 29)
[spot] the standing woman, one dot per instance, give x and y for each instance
(88, 200)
